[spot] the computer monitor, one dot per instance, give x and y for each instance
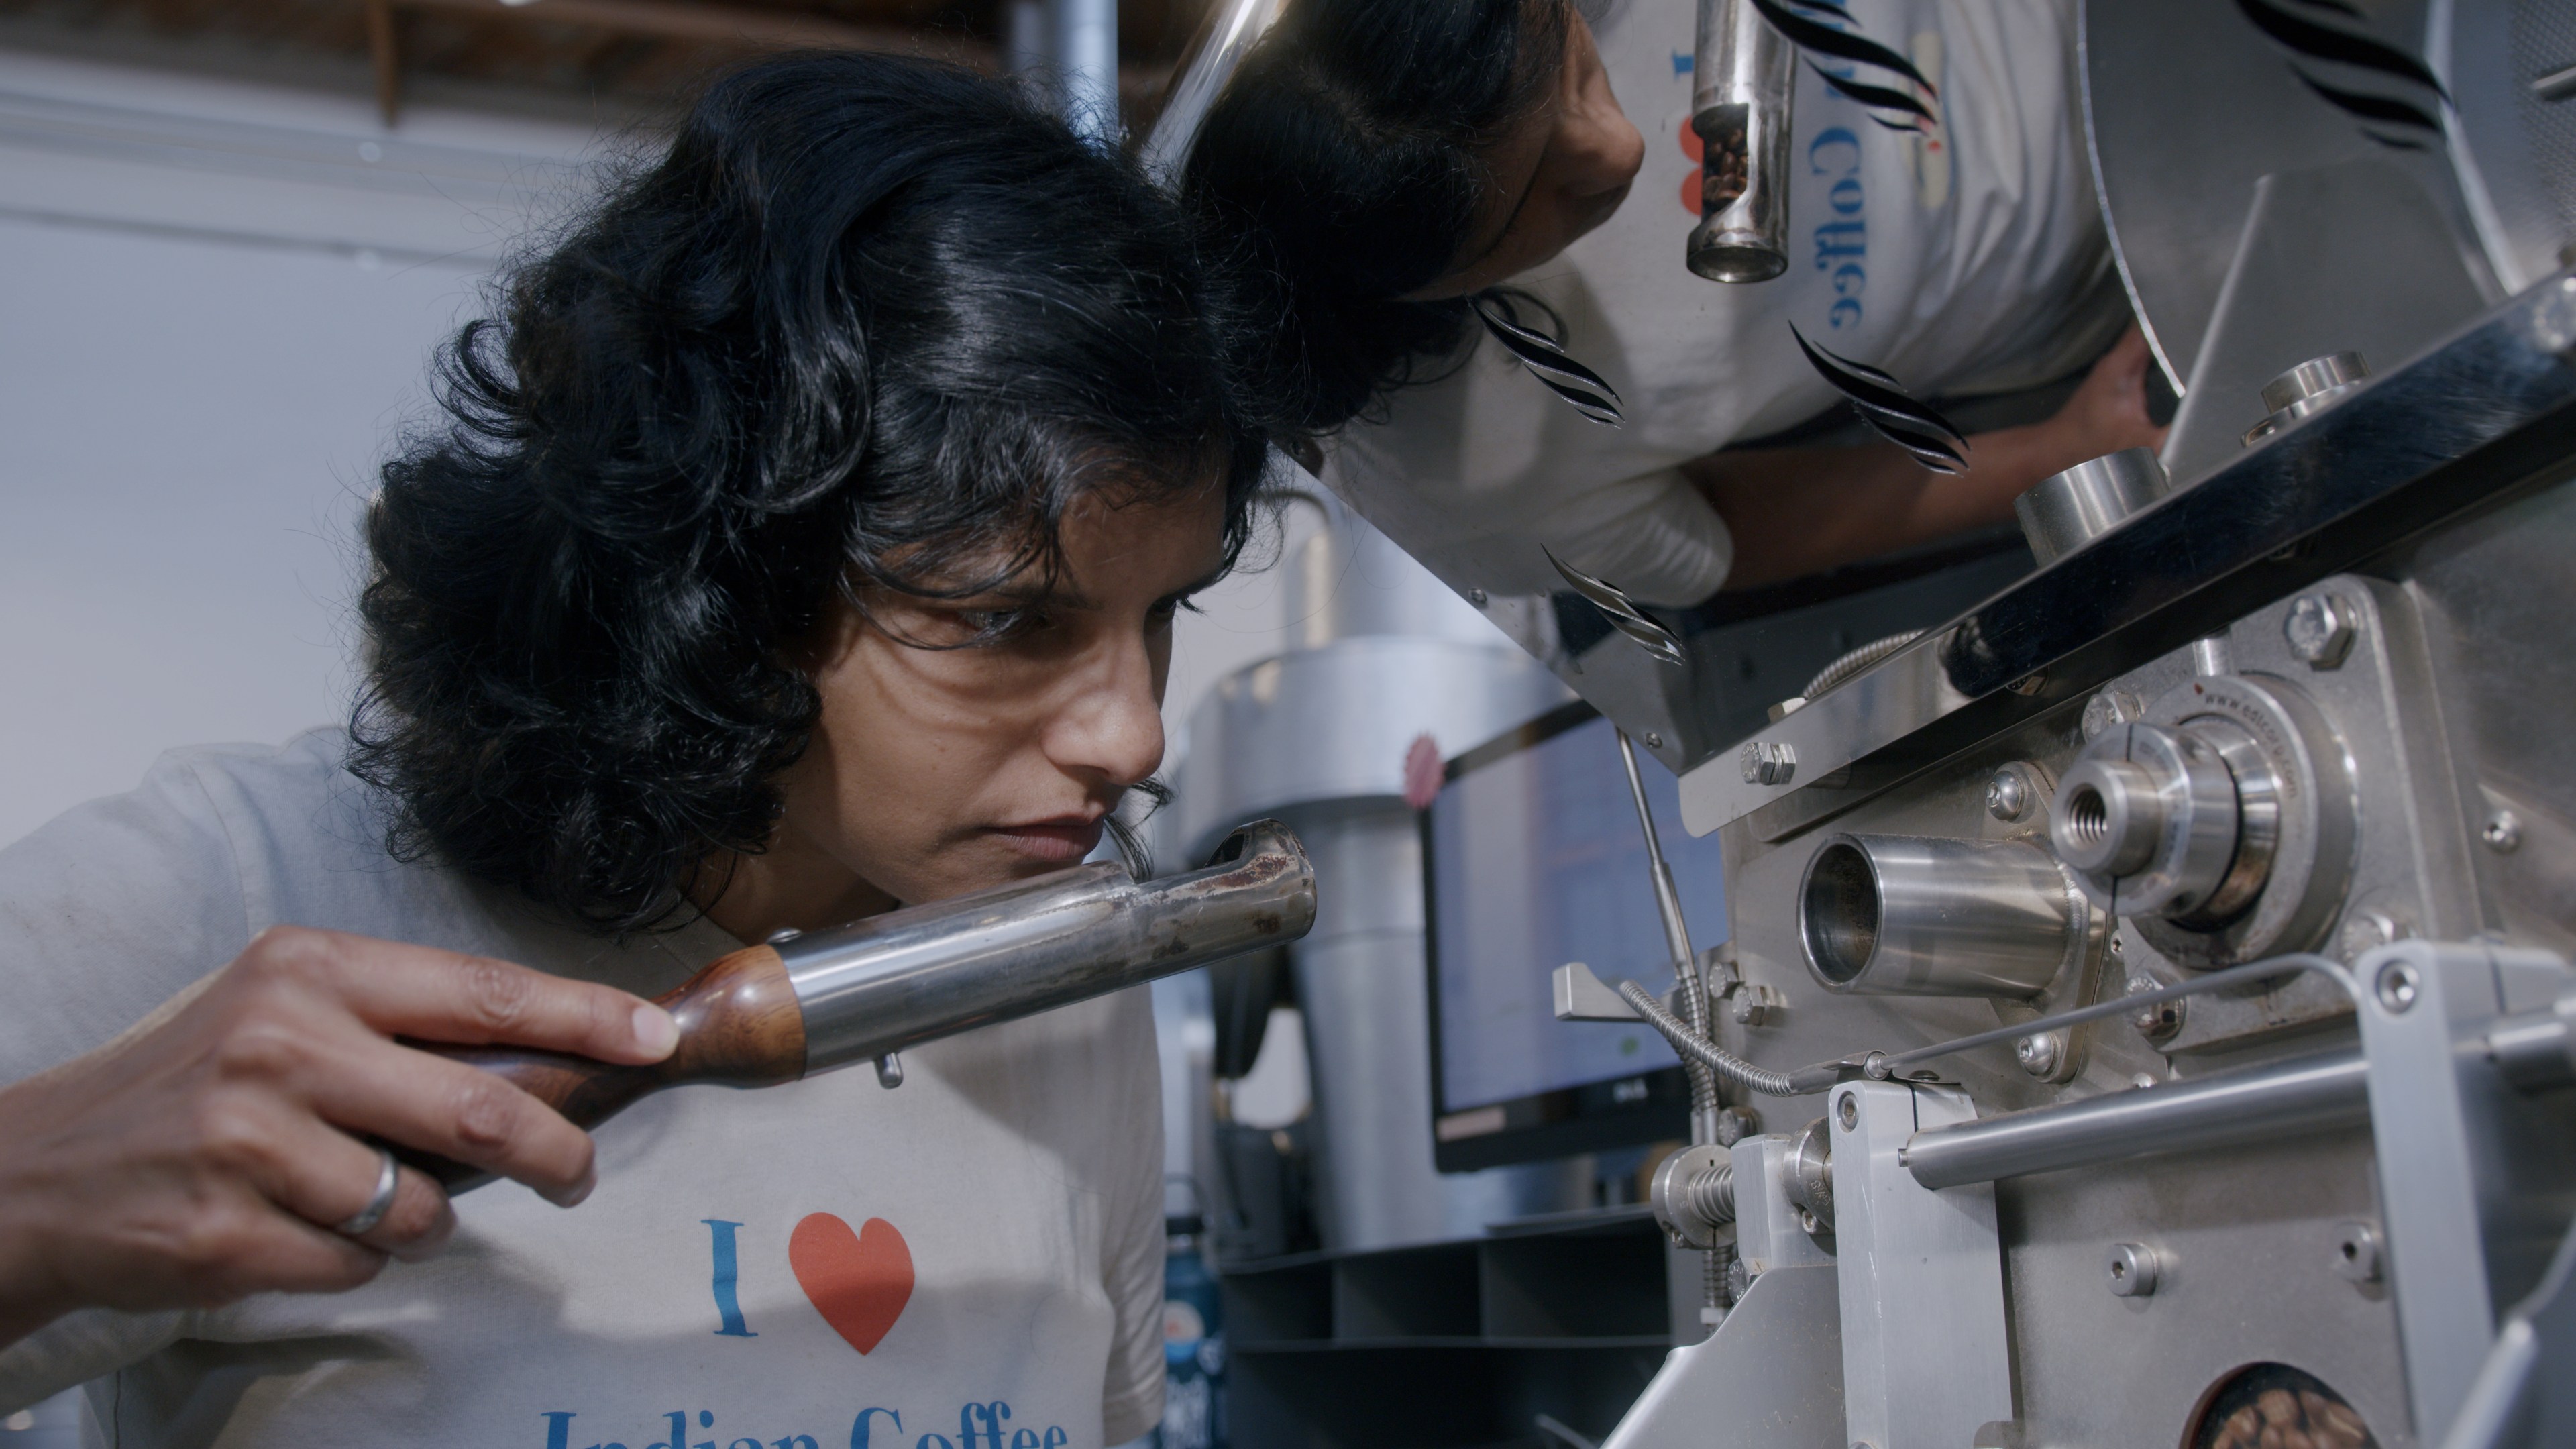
(1532, 858)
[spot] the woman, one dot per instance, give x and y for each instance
(1394, 165)
(803, 539)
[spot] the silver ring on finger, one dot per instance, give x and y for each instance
(388, 1180)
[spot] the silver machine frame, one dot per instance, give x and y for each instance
(2159, 970)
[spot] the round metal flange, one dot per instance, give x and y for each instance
(2147, 819)
(2292, 770)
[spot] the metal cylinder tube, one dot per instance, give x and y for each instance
(1744, 73)
(2311, 387)
(895, 981)
(2068, 510)
(2310, 1094)
(1929, 916)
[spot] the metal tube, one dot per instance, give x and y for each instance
(2309, 1094)
(1743, 74)
(911, 976)
(2068, 510)
(1086, 36)
(1931, 916)
(1694, 992)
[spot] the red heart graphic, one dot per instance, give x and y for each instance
(858, 1281)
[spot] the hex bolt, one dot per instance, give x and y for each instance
(1766, 762)
(2398, 985)
(2040, 1052)
(2132, 1270)
(2008, 795)
(2109, 710)
(2356, 1258)
(2319, 630)
(2502, 832)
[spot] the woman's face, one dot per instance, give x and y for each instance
(1556, 176)
(936, 771)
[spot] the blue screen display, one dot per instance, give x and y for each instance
(1535, 860)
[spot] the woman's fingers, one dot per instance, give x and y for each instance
(328, 1178)
(446, 996)
(437, 1105)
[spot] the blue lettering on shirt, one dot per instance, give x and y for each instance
(727, 1274)
(1842, 245)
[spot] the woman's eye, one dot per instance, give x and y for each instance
(993, 625)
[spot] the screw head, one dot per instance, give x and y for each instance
(1477, 597)
(1848, 1110)
(2008, 795)
(2132, 1270)
(1765, 762)
(2040, 1052)
(2502, 832)
(2319, 630)
(2399, 986)
(1654, 740)
(2356, 1253)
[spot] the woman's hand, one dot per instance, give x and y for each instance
(204, 1155)
(2108, 411)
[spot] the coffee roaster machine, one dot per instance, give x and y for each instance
(2149, 1016)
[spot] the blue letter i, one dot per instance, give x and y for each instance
(726, 1303)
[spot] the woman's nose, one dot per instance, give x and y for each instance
(1112, 726)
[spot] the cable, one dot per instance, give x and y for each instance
(1734, 1068)
(1853, 662)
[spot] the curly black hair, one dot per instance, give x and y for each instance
(868, 320)
(1344, 153)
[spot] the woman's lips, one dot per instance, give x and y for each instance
(1061, 841)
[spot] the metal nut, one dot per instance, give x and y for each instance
(2133, 1269)
(2040, 1052)
(2502, 832)
(2319, 630)
(2356, 1253)
(2110, 708)
(1768, 763)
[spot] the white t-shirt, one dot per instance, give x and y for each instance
(1972, 260)
(990, 1233)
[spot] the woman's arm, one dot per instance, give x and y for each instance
(204, 1155)
(1794, 511)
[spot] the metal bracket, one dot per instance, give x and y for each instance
(2476, 1182)
(1582, 996)
(1916, 1266)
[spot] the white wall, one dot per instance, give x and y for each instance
(215, 311)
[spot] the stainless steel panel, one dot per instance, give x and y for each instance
(1769, 1378)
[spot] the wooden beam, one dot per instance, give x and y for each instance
(380, 42)
(681, 20)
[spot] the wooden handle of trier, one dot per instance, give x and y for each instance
(739, 1027)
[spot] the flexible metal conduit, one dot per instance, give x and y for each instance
(2220, 1111)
